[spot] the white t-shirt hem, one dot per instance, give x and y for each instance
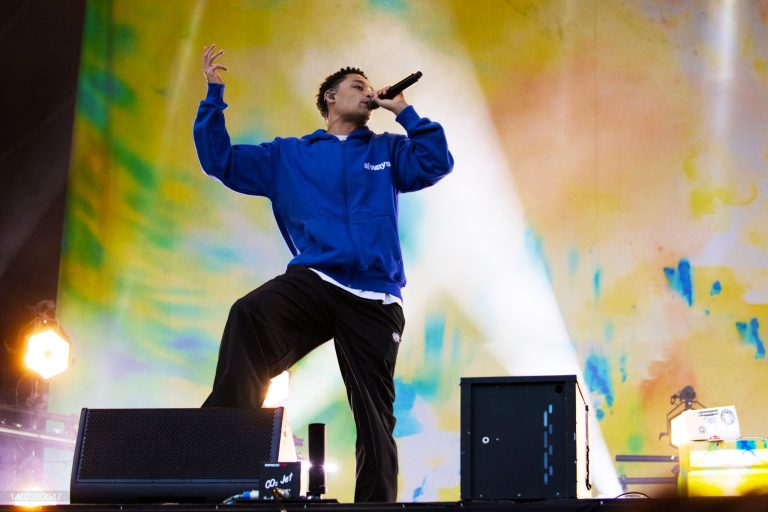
(385, 298)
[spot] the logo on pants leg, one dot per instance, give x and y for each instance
(395, 337)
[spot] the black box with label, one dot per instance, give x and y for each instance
(182, 455)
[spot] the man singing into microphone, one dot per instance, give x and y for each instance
(334, 195)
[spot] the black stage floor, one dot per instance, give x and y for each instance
(714, 504)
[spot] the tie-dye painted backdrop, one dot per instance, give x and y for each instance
(606, 215)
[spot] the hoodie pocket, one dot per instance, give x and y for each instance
(378, 246)
(327, 241)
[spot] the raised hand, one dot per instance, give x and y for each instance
(210, 68)
(395, 105)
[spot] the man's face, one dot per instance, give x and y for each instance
(351, 99)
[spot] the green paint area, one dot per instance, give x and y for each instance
(82, 244)
(393, 6)
(635, 444)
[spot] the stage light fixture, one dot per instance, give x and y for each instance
(279, 389)
(46, 347)
(47, 352)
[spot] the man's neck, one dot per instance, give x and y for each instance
(338, 126)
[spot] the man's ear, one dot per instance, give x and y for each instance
(330, 94)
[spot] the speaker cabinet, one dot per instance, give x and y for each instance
(178, 455)
(523, 438)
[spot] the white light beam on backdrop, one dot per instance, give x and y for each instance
(724, 37)
(719, 87)
(179, 74)
(722, 34)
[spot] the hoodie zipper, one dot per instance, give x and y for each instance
(345, 186)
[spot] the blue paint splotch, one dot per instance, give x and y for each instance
(407, 424)
(623, 367)
(750, 334)
(716, 289)
(411, 212)
(434, 343)
(573, 261)
(597, 283)
(455, 345)
(190, 343)
(535, 247)
(426, 384)
(434, 336)
(597, 374)
(748, 445)
(418, 491)
(680, 280)
(608, 331)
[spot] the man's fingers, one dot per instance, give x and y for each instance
(208, 58)
(206, 53)
(208, 50)
(219, 66)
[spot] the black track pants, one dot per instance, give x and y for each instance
(274, 326)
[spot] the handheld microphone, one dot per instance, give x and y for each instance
(397, 89)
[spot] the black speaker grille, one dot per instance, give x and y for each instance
(177, 444)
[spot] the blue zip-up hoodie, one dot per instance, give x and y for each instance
(335, 202)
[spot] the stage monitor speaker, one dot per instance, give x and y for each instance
(178, 455)
(523, 438)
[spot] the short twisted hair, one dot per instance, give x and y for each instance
(331, 82)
